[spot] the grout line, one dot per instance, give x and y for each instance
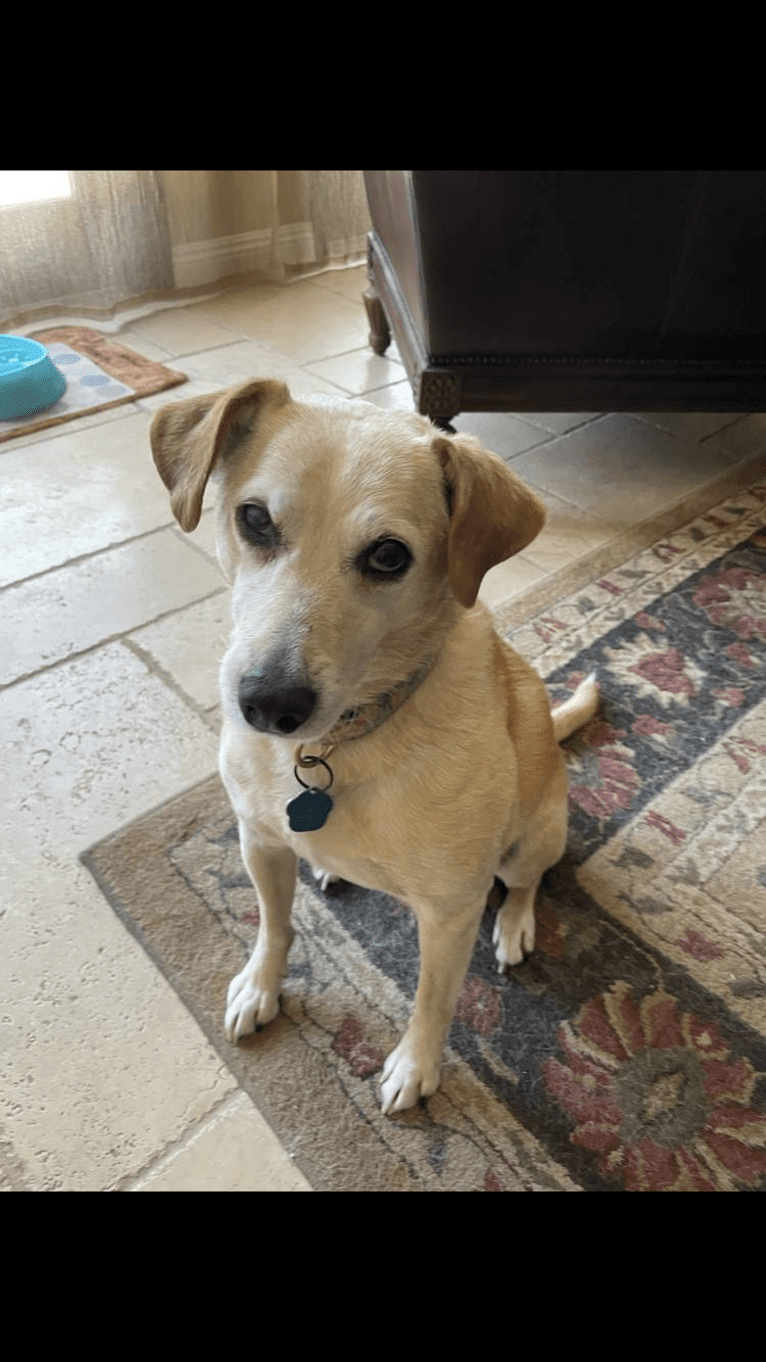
(209, 556)
(156, 1163)
(156, 668)
(122, 637)
(108, 548)
(25, 439)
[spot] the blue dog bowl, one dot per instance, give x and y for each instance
(29, 380)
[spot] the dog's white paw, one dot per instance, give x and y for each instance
(251, 1004)
(324, 878)
(405, 1080)
(513, 939)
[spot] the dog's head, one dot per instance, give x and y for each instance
(353, 538)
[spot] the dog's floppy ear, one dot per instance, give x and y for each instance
(492, 514)
(187, 438)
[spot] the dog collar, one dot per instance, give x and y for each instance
(354, 723)
(309, 811)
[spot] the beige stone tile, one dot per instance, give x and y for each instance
(133, 340)
(396, 397)
(501, 432)
(101, 1065)
(391, 353)
(557, 422)
(358, 372)
(226, 365)
(690, 425)
(189, 646)
(178, 331)
(300, 382)
(350, 282)
(568, 534)
(229, 365)
(233, 1150)
(75, 426)
(196, 387)
(619, 469)
(242, 301)
(47, 618)
(743, 439)
(301, 321)
(214, 718)
(509, 579)
(89, 745)
(80, 492)
(203, 537)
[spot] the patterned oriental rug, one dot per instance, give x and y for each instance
(100, 372)
(628, 1053)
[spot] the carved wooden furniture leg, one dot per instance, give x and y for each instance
(380, 332)
(437, 395)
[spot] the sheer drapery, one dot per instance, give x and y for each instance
(127, 241)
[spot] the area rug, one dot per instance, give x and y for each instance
(628, 1053)
(100, 373)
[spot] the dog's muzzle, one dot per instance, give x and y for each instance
(272, 709)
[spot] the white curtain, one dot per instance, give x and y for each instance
(128, 241)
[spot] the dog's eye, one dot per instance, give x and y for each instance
(255, 523)
(389, 557)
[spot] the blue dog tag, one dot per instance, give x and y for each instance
(309, 811)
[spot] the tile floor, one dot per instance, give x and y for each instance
(113, 623)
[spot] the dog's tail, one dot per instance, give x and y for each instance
(575, 711)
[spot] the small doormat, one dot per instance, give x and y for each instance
(628, 1053)
(100, 372)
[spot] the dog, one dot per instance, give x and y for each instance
(355, 540)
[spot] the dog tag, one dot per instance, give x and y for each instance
(309, 811)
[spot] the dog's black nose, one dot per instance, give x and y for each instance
(275, 711)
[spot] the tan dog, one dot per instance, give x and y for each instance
(356, 541)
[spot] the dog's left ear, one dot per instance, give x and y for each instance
(492, 514)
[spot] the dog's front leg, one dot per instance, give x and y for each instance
(447, 940)
(253, 998)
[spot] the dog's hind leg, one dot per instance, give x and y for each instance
(542, 846)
